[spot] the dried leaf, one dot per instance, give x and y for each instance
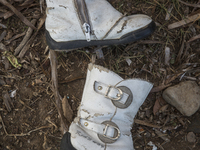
(19, 14)
(68, 113)
(163, 108)
(13, 60)
(158, 104)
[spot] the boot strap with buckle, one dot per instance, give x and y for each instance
(107, 131)
(120, 96)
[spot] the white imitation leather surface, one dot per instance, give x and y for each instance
(97, 108)
(63, 23)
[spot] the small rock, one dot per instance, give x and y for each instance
(184, 96)
(191, 137)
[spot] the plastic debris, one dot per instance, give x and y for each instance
(13, 93)
(151, 144)
(99, 53)
(128, 61)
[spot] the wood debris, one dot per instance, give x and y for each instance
(7, 100)
(28, 44)
(194, 38)
(141, 122)
(184, 21)
(3, 34)
(19, 14)
(54, 76)
(188, 4)
(25, 39)
(162, 136)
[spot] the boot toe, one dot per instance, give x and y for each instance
(129, 24)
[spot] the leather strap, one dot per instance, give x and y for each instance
(107, 131)
(111, 92)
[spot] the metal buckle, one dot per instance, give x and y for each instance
(105, 131)
(119, 95)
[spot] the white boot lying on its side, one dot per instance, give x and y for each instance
(107, 110)
(74, 24)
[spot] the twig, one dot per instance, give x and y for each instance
(184, 21)
(14, 37)
(150, 42)
(73, 79)
(11, 13)
(28, 44)
(159, 88)
(2, 25)
(162, 136)
(1, 120)
(141, 122)
(26, 38)
(194, 38)
(28, 133)
(178, 58)
(3, 34)
(192, 5)
(26, 105)
(19, 14)
(54, 76)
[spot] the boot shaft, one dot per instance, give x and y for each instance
(108, 106)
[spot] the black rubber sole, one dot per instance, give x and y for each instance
(66, 142)
(130, 37)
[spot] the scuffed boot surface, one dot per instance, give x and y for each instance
(108, 107)
(71, 26)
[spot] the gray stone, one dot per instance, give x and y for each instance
(184, 96)
(191, 137)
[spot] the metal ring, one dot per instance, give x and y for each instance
(128, 101)
(106, 139)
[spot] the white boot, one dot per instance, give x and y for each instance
(105, 115)
(73, 24)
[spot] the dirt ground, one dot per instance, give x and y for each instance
(29, 120)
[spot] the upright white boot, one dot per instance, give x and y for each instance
(73, 24)
(106, 113)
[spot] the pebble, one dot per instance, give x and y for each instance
(191, 137)
(184, 96)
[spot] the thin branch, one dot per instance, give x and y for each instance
(19, 14)
(188, 4)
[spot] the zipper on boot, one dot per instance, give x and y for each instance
(84, 17)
